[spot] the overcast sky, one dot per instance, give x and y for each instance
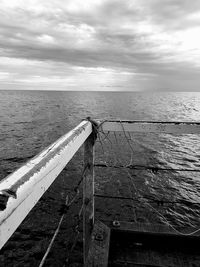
(100, 44)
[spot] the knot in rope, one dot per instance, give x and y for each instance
(95, 127)
(63, 209)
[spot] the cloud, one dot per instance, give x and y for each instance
(136, 43)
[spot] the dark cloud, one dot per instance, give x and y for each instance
(151, 39)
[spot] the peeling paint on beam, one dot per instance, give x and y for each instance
(21, 190)
(152, 127)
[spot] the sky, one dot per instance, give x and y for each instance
(138, 45)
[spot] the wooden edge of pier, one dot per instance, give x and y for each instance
(21, 190)
(147, 228)
(105, 231)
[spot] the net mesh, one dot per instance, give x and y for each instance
(140, 178)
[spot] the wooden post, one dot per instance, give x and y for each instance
(88, 194)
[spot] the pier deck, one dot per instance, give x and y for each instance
(143, 245)
(104, 243)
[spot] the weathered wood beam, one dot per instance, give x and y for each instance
(88, 194)
(152, 127)
(152, 229)
(21, 190)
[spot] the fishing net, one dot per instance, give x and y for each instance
(142, 177)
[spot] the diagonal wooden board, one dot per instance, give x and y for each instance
(99, 246)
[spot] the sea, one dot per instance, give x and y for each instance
(32, 120)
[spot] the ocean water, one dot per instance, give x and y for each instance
(31, 120)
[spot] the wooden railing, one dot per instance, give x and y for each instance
(151, 127)
(20, 191)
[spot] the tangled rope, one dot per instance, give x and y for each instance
(63, 210)
(108, 142)
(55, 234)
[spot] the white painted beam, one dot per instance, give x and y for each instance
(152, 127)
(20, 191)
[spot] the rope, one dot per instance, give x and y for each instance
(166, 221)
(82, 177)
(128, 142)
(169, 224)
(55, 234)
(63, 210)
(154, 170)
(130, 189)
(95, 127)
(76, 237)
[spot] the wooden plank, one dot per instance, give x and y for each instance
(134, 244)
(88, 194)
(147, 228)
(143, 227)
(20, 191)
(120, 263)
(99, 248)
(152, 127)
